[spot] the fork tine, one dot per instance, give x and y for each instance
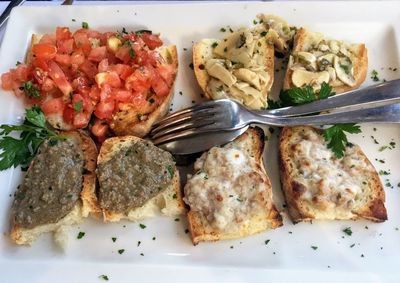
(179, 119)
(204, 123)
(204, 105)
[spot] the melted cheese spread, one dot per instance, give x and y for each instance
(225, 187)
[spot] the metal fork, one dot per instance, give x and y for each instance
(372, 104)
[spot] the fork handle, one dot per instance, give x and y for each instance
(379, 114)
(384, 92)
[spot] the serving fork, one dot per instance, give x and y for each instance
(222, 118)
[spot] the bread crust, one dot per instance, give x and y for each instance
(169, 202)
(268, 218)
(202, 51)
(360, 66)
(370, 207)
(124, 122)
(87, 203)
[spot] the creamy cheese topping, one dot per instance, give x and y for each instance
(329, 182)
(225, 187)
(323, 60)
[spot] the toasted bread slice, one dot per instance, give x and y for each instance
(127, 121)
(203, 51)
(246, 184)
(343, 77)
(317, 185)
(86, 205)
(169, 201)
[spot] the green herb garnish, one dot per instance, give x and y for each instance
(33, 131)
(215, 44)
(263, 33)
(142, 226)
(336, 137)
(347, 231)
(78, 105)
(314, 247)
(374, 76)
(121, 251)
(170, 170)
(80, 235)
(114, 239)
(85, 25)
(222, 29)
(104, 277)
(345, 68)
(30, 89)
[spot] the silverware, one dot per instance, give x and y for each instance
(372, 104)
(6, 13)
(14, 3)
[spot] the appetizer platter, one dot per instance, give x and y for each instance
(81, 96)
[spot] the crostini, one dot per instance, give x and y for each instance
(230, 194)
(318, 185)
(57, 191)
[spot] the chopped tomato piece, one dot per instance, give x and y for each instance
(65, 46)
(122, 95)
(63, 33)
(40, 63)
(81, 120)
(77, 58)
(23, 72)
(100, 128)
(123, 53)
(140, 80)
(7, 81)
(44, 50)
(122, 70)
(111, 78)
(63, 59)
(159, 86)
(48, 85)
(167, 72)
(59, 78)
(94, 93)
(68, 114)
(151, 40)
(103, 66)
(89, 68)
(97, 54)
(52, 106)
(104, 109)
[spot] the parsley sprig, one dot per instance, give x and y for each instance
(334, 135)
(33, 131)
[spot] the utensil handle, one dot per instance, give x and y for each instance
(379, 114)
(384, 92)
(4, 16)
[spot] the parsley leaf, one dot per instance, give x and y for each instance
(30, 89)
(104, 277)
(80, 235)
(85, 25)
(21, 150)
(347, 231)
(297, 96)
(337, 137)
(170, 170)
(78, 105)
(325, 91)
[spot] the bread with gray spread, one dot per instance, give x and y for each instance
(318, 185)
(137, 180)
(58, 189)
(230, 194)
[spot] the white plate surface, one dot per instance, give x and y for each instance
(288, 255)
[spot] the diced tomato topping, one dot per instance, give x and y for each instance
(140, 80)
(151, 40)
(44, 50)
(63, 59)
(159, 86)
(104, 109)
(51, 106)
(97, 54)
(65, 46)
(80, 74)
(59, 78)
(63, 33)
(7, 81)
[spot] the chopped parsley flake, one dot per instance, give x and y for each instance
(267, 241)
(142, 226)
(374, 76)
(114, 239)
(170, 169)
(138, 243)
(121, 251)
(176, 219)
(78, 105)
(104, 277)
(154, 238)
(174, 196)
(80, 235)
(347, 231)
(314, 247)
(142, 254)
(382, 148)
(30, 89)
(352, 245)
(222, 29)
(263, 33)
(215, 44)
(85, 25)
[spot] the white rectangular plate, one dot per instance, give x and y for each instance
(370, 254)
